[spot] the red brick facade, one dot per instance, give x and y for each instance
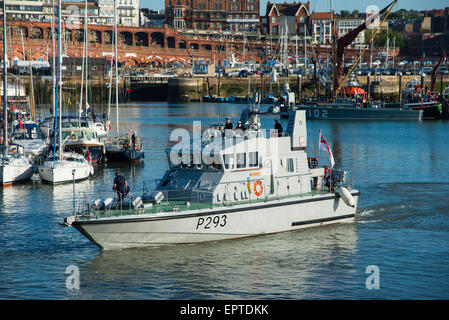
(296, 15)
(213, 14)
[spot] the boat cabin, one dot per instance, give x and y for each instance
(229, 167)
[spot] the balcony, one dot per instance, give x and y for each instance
(242, 20)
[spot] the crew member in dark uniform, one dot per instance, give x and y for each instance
(228, 124)
(133, 140)
(278, 127)
(120, 185)
(240, 126)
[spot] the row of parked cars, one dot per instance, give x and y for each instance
(404, 71)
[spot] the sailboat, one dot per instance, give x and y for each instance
(93, 121)
(62, 166)
(29, 136)
(14, 166)
(82, 136)
(121, 148)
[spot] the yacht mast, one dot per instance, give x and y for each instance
(116, 63)
(53, 71)
(59, 98)
(5, 85)
(80, 108)
(334, 54)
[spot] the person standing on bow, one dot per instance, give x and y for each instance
(120, 185)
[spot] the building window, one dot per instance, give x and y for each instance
(241, 160)
(290, 165)
(253, 159)
(228, 161)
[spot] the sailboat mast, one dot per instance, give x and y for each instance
(334, 54)
(86, 26)
(305, 49)
(60, 78)
(5, 85)
(53, 58)
(80, 107)
(116, 62)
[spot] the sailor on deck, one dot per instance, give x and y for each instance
(120, 185)
(278, 127)
(228, 124)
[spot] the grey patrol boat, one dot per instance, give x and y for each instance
(246, 183)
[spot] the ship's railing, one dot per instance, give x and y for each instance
(204, 198)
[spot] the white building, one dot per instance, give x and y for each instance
(346, 25)
(321, 28)
(128, 11)
(31, 10)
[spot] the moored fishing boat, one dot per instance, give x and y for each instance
(230, 186)
(122, 149)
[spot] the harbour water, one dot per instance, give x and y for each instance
(402, 228)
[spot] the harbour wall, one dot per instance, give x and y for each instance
(193, 89)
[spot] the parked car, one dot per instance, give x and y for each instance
(234, 73)
(426, 70)
(243, 73)
(363, 71)
(443, 70)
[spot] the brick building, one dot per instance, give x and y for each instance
(296, 15)
(241, 15)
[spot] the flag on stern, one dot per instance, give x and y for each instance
(325, 147)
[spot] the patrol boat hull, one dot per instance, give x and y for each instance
(220, 223)
(331, 112)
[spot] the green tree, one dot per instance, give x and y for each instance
(380, 40)
(345, 13)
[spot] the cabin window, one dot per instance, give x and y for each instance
(290, 165)
(253, 159)
(228, 161)
(90, 135)
(241, 160)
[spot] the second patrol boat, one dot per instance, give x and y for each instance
(234, 184)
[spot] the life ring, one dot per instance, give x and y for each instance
(258, 188)
(358, 105)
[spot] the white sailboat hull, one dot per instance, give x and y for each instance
(63, 172)
(221, 223)
(11, 173)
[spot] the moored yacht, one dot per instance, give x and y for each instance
(122, 149)
(227, 185)
(14, 165)
(67, 168)
(83, 141)
(29, 136)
